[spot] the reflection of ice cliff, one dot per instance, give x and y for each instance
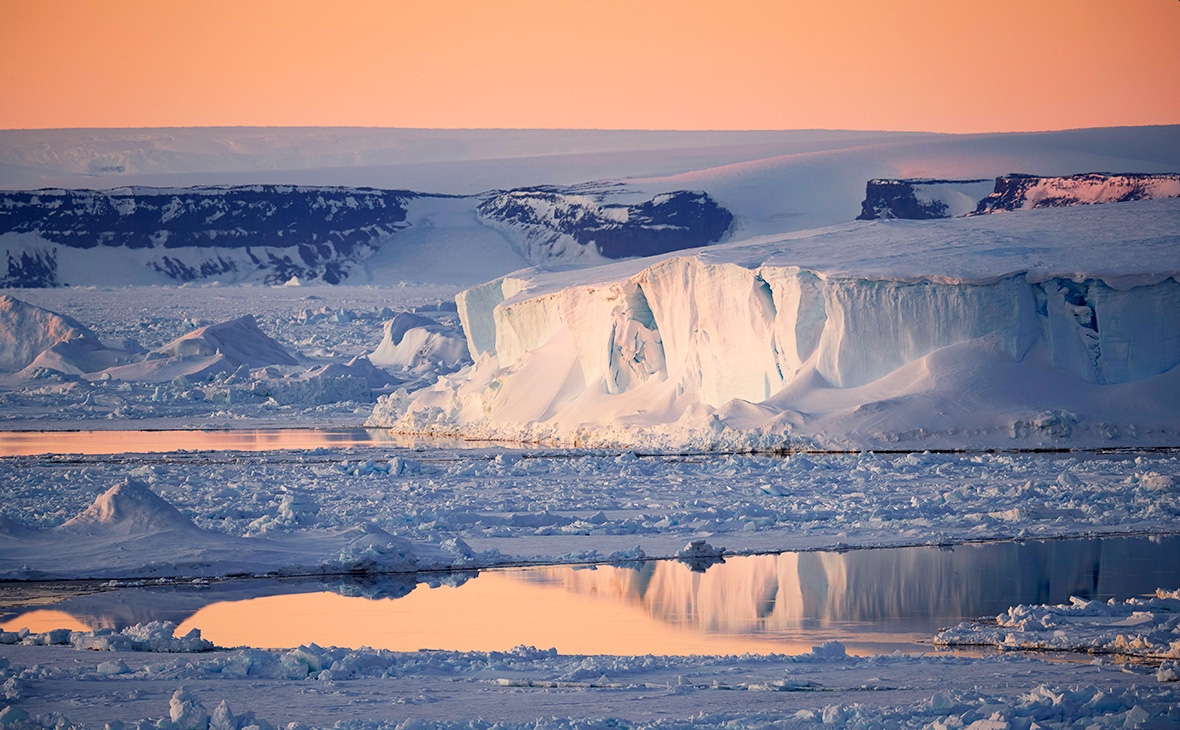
(808, 590)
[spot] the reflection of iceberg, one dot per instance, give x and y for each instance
(769, 593)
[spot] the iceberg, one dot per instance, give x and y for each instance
(1040, 328)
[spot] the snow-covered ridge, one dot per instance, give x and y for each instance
(864, 322)
(551, 222)
(923, 199)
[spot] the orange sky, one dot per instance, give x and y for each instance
(940, 65)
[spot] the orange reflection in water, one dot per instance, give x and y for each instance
(31, 443)
(44, 620)
(494, 612)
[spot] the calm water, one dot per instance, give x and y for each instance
(32, 443)
(872, 600)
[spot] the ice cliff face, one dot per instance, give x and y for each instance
(921, 198)
(1022, 192)
(924, 199)
(552, 222)
(742, 336)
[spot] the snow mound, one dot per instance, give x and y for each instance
(128, 508)
(413, 342)
(239, 340)
(376, 551)
(26, 331)
(856, 336)
(80, 357)
(162, 369)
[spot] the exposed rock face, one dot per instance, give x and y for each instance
(1022, 192)
(920, 198)
(275, 234)
(557, 220)
(924, 199)
(309, 232)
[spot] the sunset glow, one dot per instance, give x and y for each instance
(912, 65)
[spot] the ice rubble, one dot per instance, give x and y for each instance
(1148, 627)
(1038, 328)
(343, 688)
(129, 531)
(229, 369)
(154, 636)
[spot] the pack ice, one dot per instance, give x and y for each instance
(1035, 328)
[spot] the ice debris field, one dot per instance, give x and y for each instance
(684, 347)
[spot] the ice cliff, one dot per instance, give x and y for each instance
(923, 198)
(564, 223)
(1040, 328)
(284, 231)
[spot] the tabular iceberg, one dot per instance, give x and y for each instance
(1039, 328)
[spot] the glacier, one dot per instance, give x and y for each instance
(1052, 328)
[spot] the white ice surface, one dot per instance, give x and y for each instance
(1037, 328)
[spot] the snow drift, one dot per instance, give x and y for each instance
(239, 340)
(1043, 328)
